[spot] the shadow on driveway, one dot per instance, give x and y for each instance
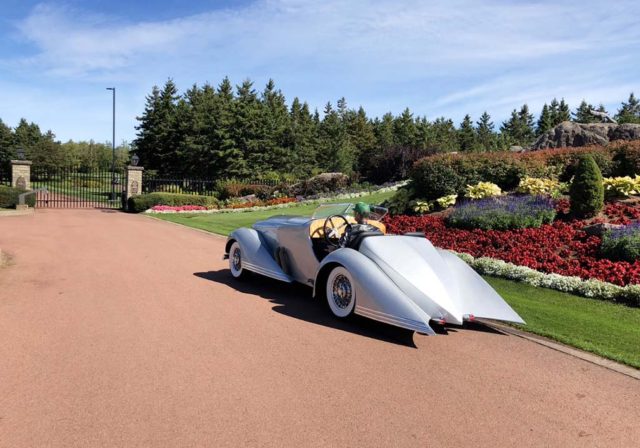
(294, 300)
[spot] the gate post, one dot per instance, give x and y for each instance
(134, 182)
(21, 174)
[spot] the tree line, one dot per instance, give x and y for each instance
(45, 151)
(235, 131)
(227, 131)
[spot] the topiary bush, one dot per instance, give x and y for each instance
(322, 183)
(503, 213)
(137, 204)
(587, 191)
(9, 197)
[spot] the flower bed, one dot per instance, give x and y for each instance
(502, 213)
(561, 248)
(180, 208)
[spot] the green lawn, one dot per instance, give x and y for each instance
(603, 328)
(224, 223)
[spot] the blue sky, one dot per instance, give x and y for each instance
(436, 57)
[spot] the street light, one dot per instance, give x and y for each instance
(113, 147)
(135, 160)
(20, 153)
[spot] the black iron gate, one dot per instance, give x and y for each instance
(78, 187)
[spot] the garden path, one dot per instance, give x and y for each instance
(120, 330)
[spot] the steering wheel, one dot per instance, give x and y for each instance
(332, 229)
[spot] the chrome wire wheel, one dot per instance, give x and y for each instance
(235, 260)
(340, 291)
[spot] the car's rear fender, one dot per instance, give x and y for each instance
(377, 297)
(256, 256)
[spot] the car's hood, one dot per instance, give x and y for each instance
(415, 266)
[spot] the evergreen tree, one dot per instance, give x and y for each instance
(629, 112)
(362, 139)
(519, 127)
(443, 136)
(301, 138)
(335, 152)
(583, 113)
(544, 121)
(467, 139)
(275, 125)
(6, 145)
(247, 128)
(404, 130)
(554, 113)
(486, 134)
(564, 112)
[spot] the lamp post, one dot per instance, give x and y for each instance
(113, 146)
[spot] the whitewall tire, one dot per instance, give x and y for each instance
(235, 261)
(341, 292)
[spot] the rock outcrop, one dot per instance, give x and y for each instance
(569, 133)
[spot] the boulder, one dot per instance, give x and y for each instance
(570, 134)
(599, 228)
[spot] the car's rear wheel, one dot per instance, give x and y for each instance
(340, 292)
(235, 261)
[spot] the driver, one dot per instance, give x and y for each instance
(361, 212)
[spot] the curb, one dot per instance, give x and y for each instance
(576, 353)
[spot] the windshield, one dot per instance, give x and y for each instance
(325, 210)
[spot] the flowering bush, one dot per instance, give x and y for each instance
(621, 186)
(447, 201)
(537, 186)
(623, 243)
(502, 213)
(482, 190)
(562, 247)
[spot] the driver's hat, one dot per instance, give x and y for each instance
(362, 208)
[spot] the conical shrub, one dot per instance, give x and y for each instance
(587, 191)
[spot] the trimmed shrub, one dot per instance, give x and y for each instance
(622, 244)
(587, 191)
(9, 197)
(137, 204)
(503, 213)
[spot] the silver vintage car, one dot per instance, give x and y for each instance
(357, 267)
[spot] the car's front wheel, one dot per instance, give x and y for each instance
(235, 261)
(341, 293)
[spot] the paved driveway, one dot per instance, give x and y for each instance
(119, 330)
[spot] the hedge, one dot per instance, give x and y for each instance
(9, 197)
(443, 174)
(137, 204)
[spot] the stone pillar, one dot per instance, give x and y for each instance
(21, 174)
(134, 181)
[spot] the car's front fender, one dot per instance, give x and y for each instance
(377, 297)
(256, 256)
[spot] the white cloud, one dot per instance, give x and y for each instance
(437, 57)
